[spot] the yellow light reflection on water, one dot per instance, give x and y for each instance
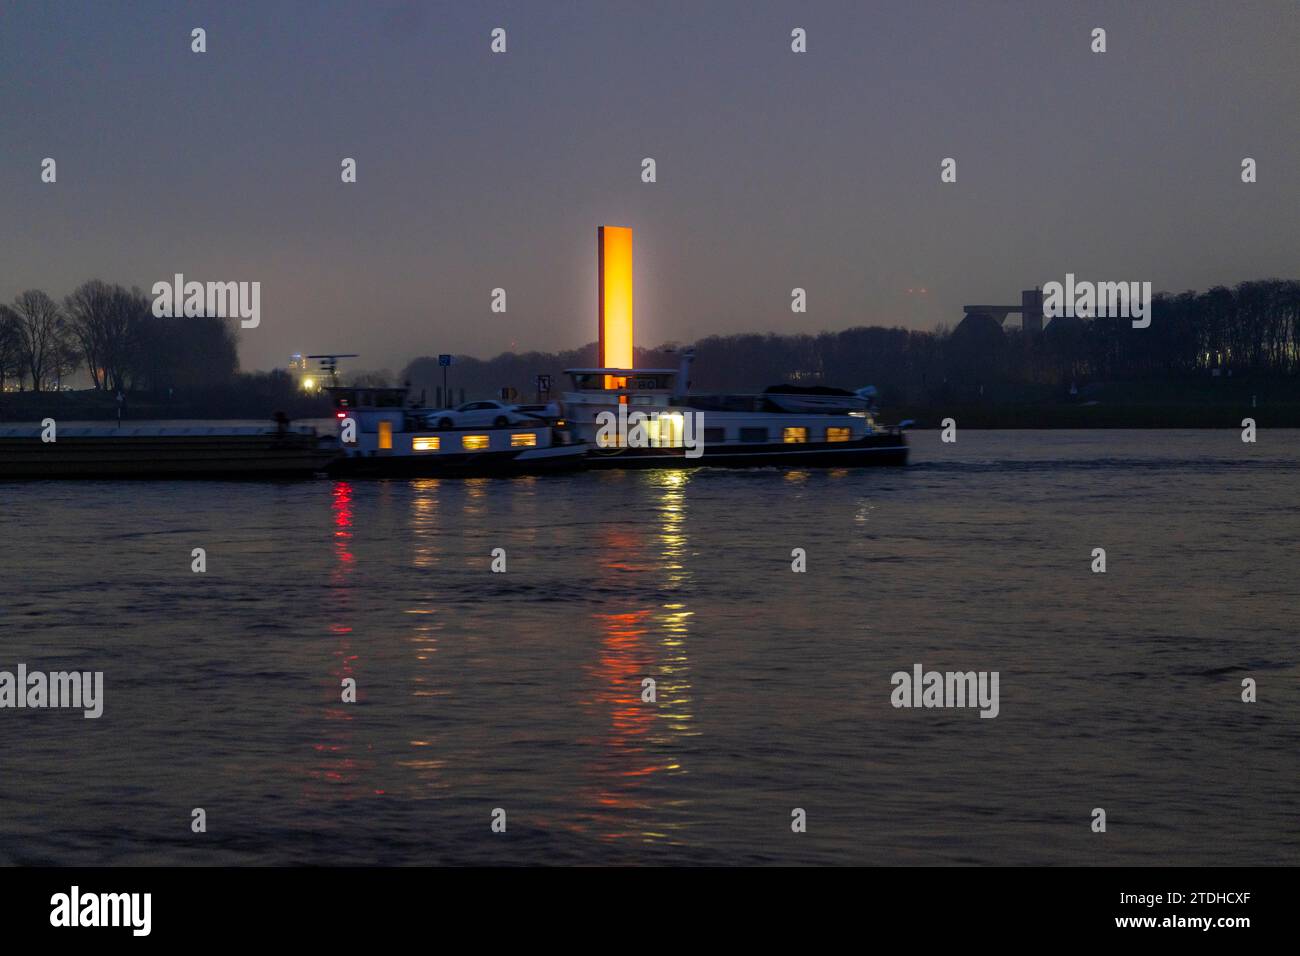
(674, 617)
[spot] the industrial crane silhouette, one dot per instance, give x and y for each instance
(330, 363)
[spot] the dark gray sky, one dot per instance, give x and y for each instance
(775, 170)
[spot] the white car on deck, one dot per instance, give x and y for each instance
(478, 415)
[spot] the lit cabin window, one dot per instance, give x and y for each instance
(385, 436)
(665, 431)
(523, 440)
(794, 435)
(426, 443)
(474, 442)
(837, 433)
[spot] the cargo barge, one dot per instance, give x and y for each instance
(163, 451)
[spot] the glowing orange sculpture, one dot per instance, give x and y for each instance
(615, 244)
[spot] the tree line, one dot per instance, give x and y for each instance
(110, 332)
(1250, 329)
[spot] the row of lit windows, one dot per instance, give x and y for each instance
(791, 435)
(472, 442)
(800, 434)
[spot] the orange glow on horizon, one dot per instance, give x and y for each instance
(615, 325)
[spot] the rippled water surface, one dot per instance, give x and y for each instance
(523, 690)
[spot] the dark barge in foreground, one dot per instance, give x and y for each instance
(164, 451)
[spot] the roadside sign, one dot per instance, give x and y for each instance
(444, 360)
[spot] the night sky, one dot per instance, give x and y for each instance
(775, 169)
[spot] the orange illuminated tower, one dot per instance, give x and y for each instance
(615, 244)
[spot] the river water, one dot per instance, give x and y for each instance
(522, 691)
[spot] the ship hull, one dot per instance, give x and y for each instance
(882, 449)
(526, 461)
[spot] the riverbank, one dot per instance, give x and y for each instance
(1197, 404)
(89, 405)
(1213, 402)
(1276, 415)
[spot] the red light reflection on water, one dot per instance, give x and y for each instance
(335, 763)
(342, 505)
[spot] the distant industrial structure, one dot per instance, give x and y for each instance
(1030, 310)
(300, 372)
(326, 374)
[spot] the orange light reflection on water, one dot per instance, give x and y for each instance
(647, 637)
